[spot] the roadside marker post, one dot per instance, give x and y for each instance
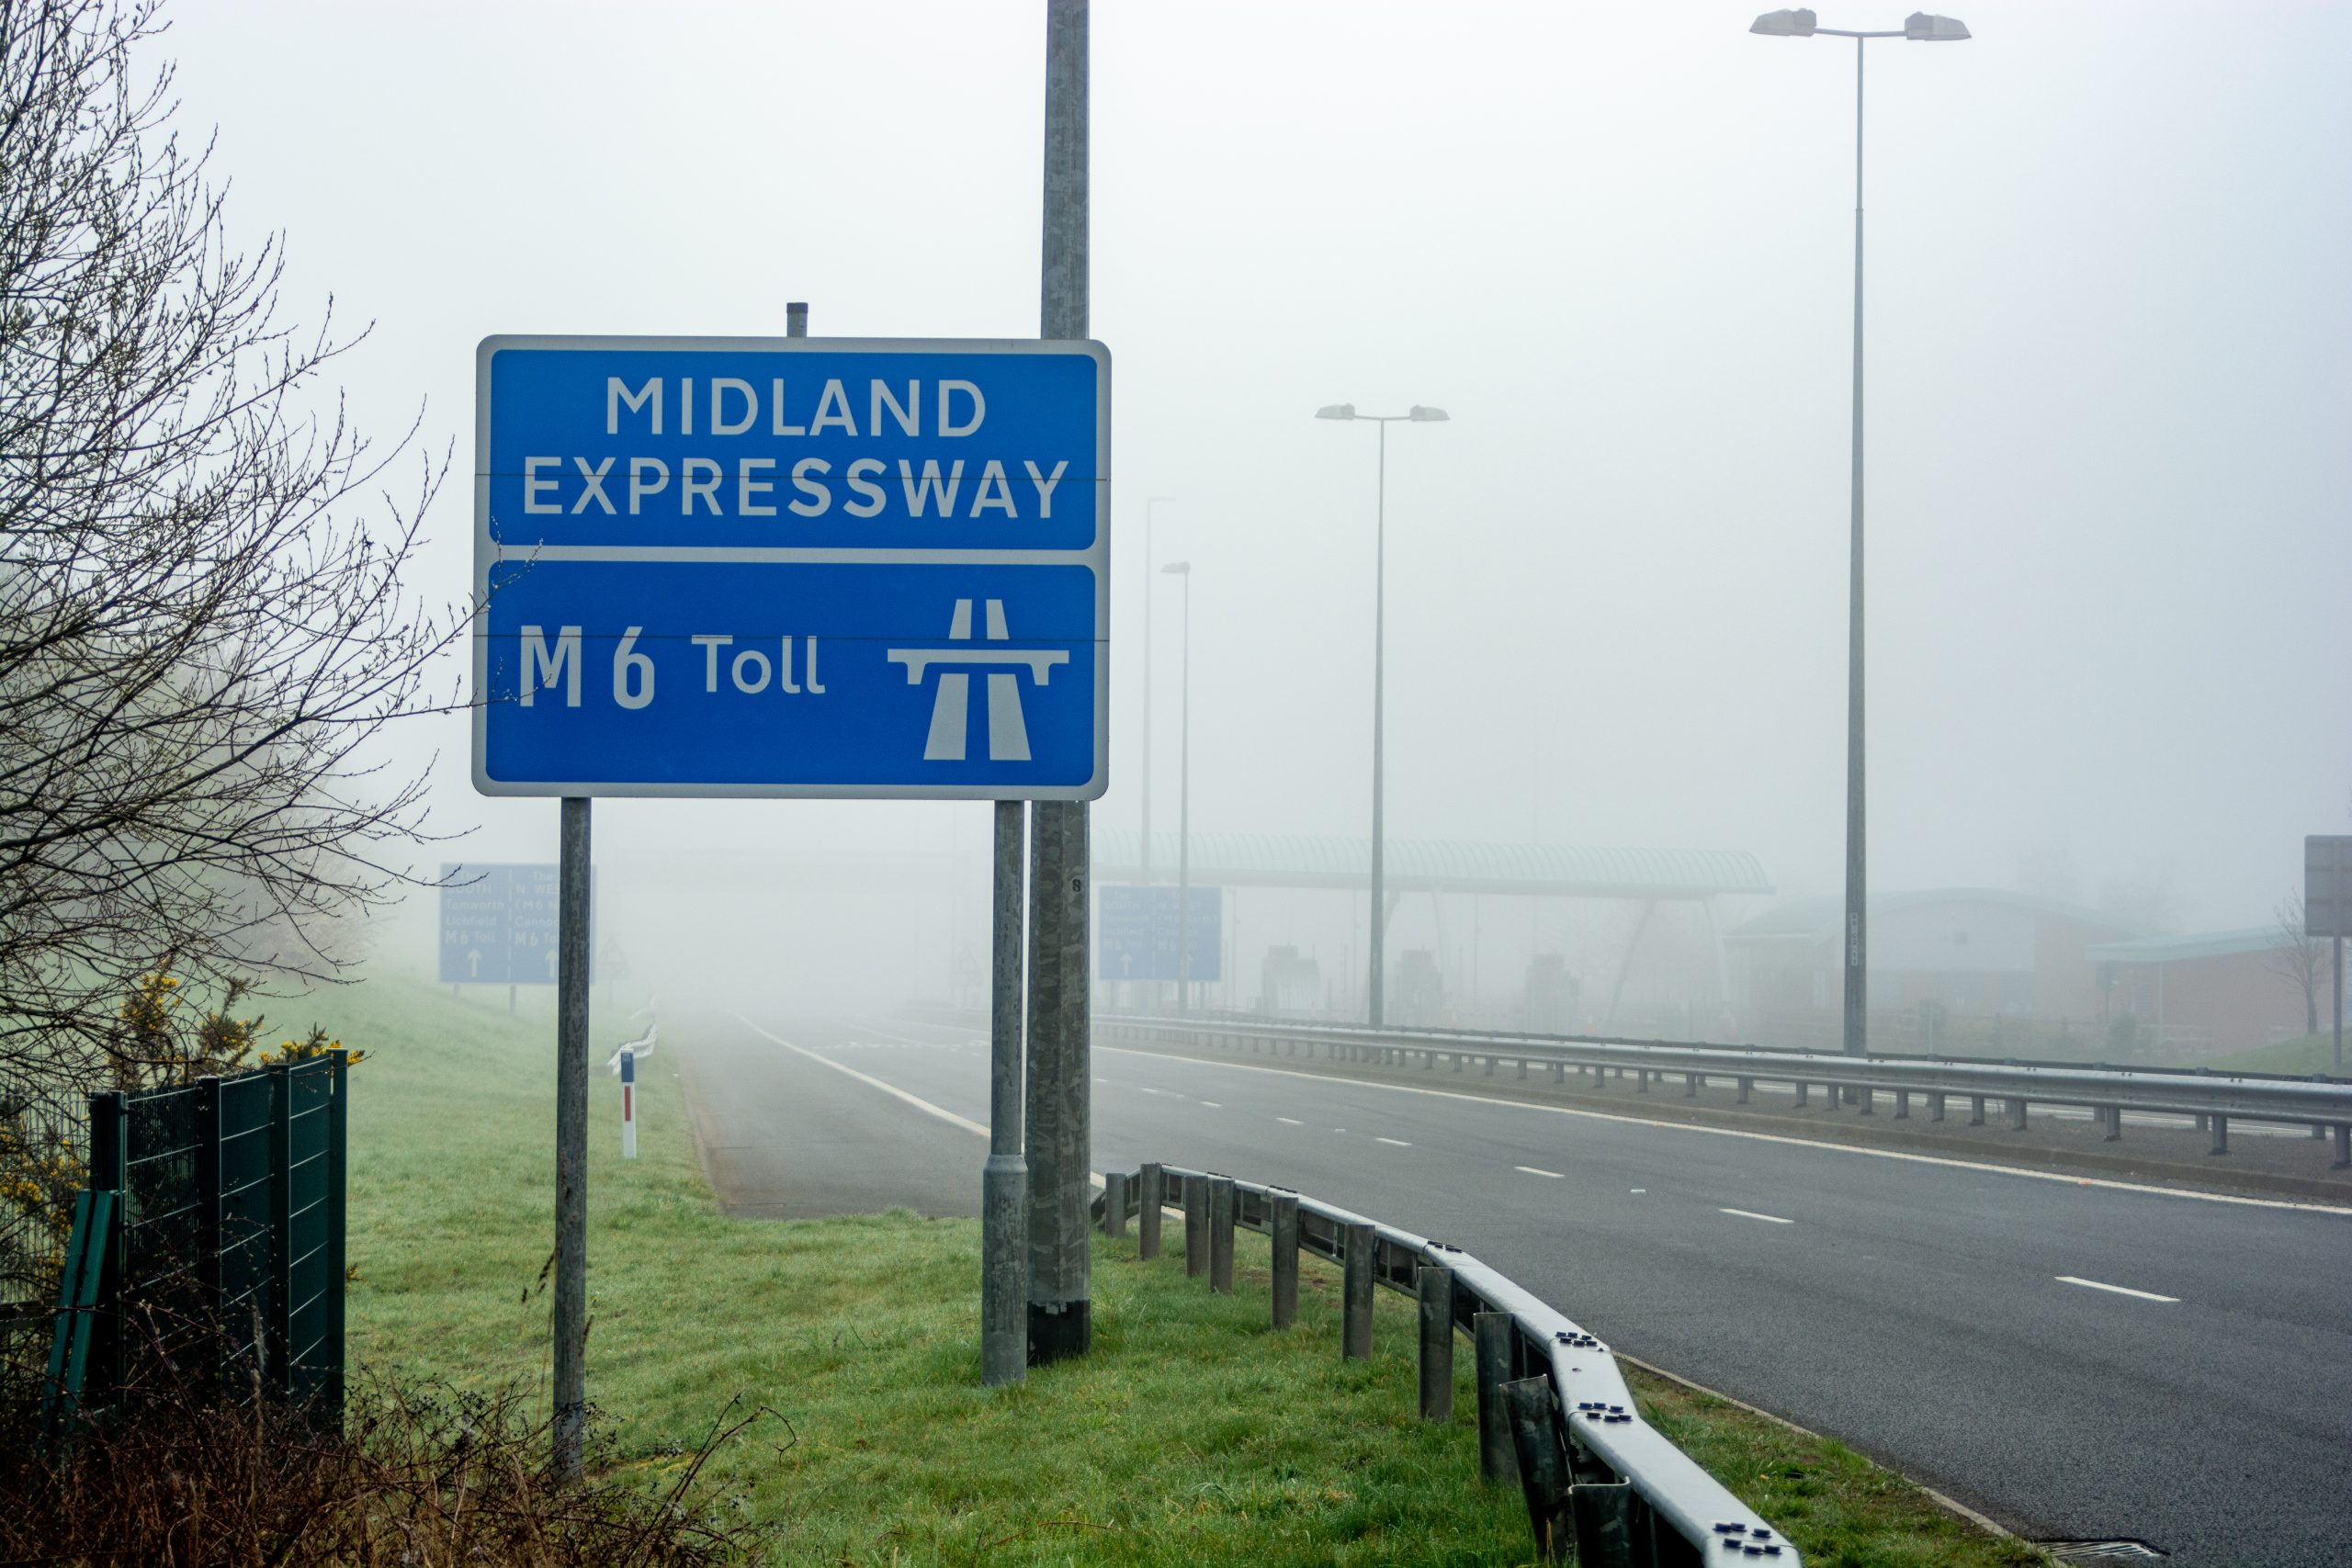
(628, 1103)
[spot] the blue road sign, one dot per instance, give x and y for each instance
(498, 925)
(792, 567)
(1137, 937)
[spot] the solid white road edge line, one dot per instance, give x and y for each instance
(2020, 1172)
(926, 1107)
(2118, 1290)
(978, 1128)
(1752, 1214)
(1554, 1175)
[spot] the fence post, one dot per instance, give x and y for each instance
(109, 1171)
(1286, 1229)
(1114, 1203)
(1493, 1347)
(1196, 1226)
(278, 1353)
(1147, 1214)
(1355, 1328)
(338, 1167)
(212, 1323)
(1220, 1199)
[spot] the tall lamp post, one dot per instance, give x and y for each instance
(1151, 516)
(1919, 28)
(1418, 414)
(1183, 568)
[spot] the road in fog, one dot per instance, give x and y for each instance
(2076, 1358)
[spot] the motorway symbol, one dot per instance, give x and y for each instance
(792, 567)
(1008, 735)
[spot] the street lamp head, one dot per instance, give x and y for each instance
(1424, 416)
(1336, 411)
(1784, 24)
(1178, 568)
(1922, 27)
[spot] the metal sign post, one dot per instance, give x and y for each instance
(1059, 1087)
(796, 567)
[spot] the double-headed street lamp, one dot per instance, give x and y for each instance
(1919, 28)
(1183, 568)
(1418, 414)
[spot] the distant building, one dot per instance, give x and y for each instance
(1954, 953)
(2208, 994)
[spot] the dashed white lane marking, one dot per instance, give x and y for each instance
(1213, 1105)
(1290, 1120)
(1531, 1171)
(1752, 1214)
(2118, 1290)
(1398, 1143)
(2022, 1173)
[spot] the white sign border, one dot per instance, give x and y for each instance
(487, 553)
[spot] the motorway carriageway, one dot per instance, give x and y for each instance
(2076, 1358)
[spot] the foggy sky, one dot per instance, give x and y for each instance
(2110, 430)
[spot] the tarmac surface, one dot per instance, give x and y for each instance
(2078, 1356)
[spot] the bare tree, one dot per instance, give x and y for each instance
(2299, 959)
(202, 634)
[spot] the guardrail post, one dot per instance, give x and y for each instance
(1355, 1326)
(2017, 1114)
(1457, 1061)
(1746, 1087)
(2221, 1136)
(1435, 1284)
(1147, 1214)
(1196, 1226)
(1522, 1069)
(1559, 1075)
(1976, 1110)
(2112, 1116)
(1645, 1086)
(1115, 1202)
(1544, 1476)
(1689, 1085)
(1493, 1331)
(1286, 1229)
(1867, 1100)
(2343, 1147)
(1935, 1105)
(1803, 1088)
(1221, 1234)
(1490, 1064)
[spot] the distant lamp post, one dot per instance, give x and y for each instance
(1183, 568)
(1416, 414)
(1920, 27)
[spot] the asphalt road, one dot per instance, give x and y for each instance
(1970, 1325)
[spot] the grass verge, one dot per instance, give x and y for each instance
(2311, 1054)
(1193, 1434)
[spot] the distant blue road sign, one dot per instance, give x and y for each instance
(792, 567)
(1137, 937)
(498, 925)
